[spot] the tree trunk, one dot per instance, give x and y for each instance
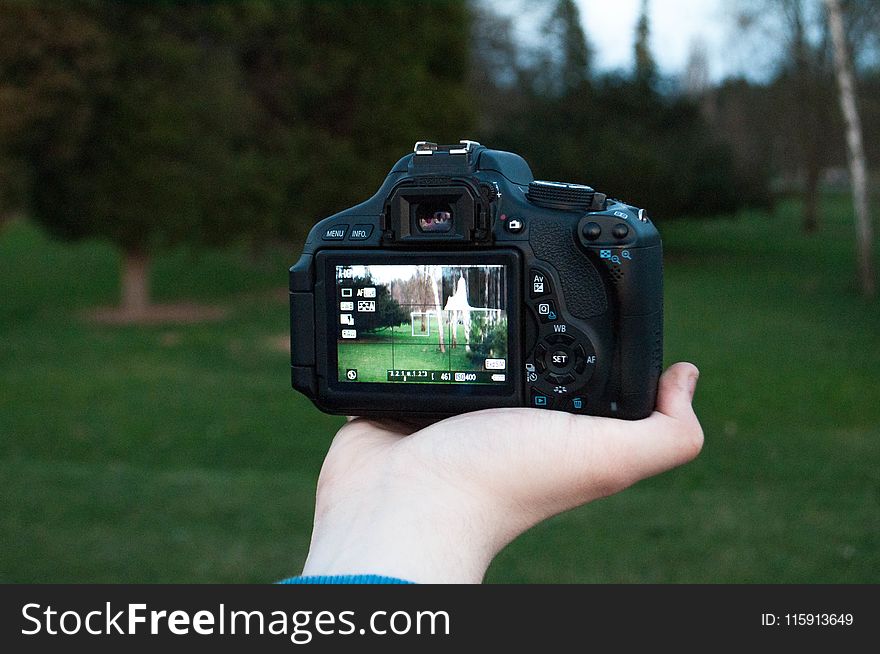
(436, 288)
(855, 149)
(135, 282)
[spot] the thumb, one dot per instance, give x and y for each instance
(672, 435)
(676, 390)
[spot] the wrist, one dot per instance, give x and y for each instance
(424, 541)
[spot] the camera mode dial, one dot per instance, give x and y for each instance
(565, 196)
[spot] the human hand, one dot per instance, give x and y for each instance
(438, 504)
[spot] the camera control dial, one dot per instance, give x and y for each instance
(565, 196)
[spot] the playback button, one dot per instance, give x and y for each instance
(540, 400)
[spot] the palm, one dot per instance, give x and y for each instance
(496, 472)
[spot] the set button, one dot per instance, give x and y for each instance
(561, 360)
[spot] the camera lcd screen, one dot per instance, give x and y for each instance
(422, 324)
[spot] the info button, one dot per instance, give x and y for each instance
(360, 232)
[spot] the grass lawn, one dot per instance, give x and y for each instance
(374, 354)
(179, 453)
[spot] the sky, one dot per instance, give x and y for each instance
(675, 25)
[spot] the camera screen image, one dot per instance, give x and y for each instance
(423, 324)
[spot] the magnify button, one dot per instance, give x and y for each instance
(615, 259)
(626, 255)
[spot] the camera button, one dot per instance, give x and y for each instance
(561, 360)
(620, 231)
(561, 380)
(335, 233)
(540, 364)
(591, 231)
(514, 225)
(540, 399)
(539, 284)
(546, 310)
(360, 232)
(584, 360)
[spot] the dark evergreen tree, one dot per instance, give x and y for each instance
(152, 124)
(645, 67)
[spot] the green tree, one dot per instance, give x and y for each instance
(343, 88)
(152, 124)
(388, 311)
(566, 56)
(487, 340)
(158, 149)
(52, 63)
(646, 68)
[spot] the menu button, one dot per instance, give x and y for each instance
(336, 233)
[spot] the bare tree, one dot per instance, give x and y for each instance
(803, 77)
(436, 273)
(855, 148)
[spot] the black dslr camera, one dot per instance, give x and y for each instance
(465, 284)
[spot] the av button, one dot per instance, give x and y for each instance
(539, 284)
(360, 232)
(336, 233)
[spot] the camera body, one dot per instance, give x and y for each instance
(464, 284)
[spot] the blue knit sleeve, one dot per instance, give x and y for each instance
(344, 579)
